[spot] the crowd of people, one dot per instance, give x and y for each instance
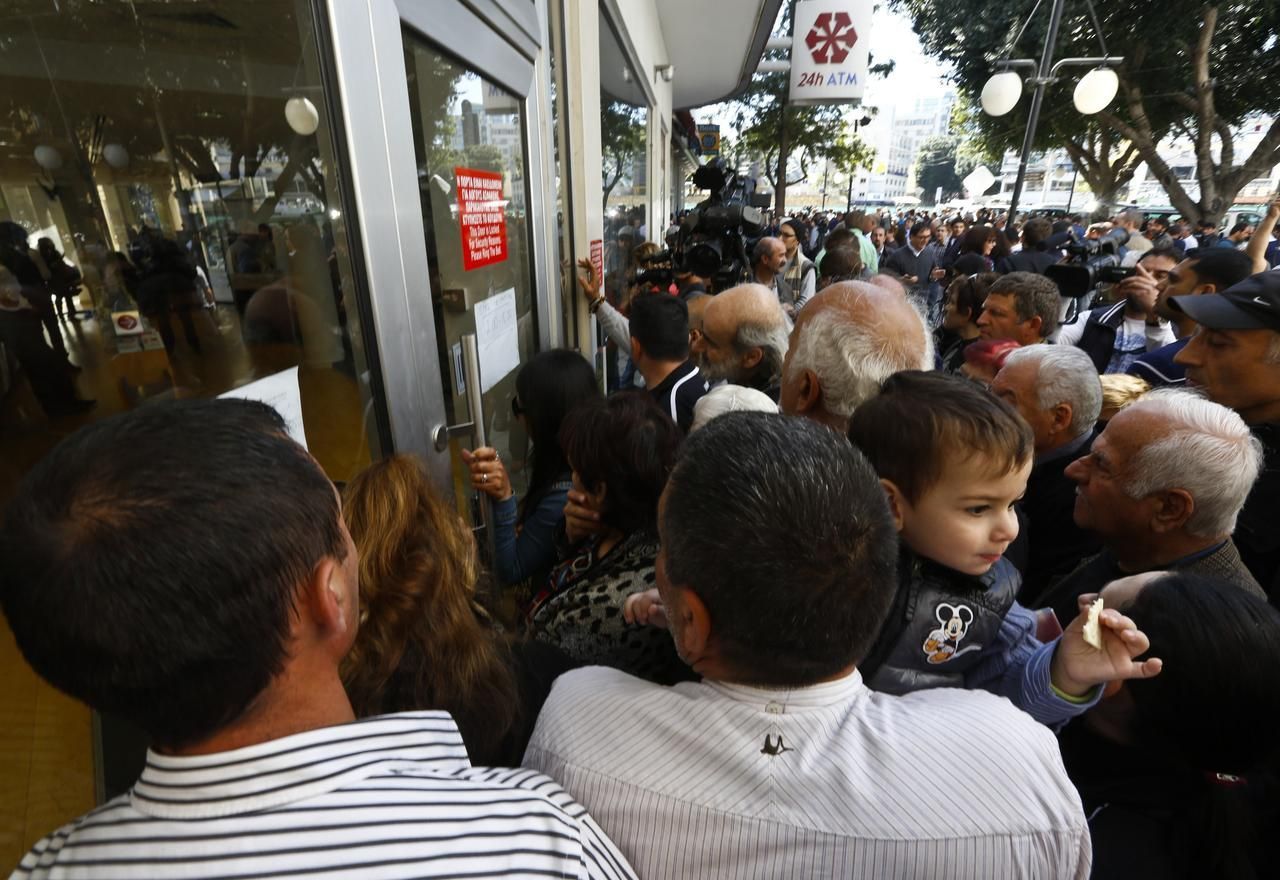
(891, 561)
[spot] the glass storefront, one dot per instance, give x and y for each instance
(171, 226)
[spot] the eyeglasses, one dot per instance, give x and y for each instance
(516, 409)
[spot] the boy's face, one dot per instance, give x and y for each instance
(966, 520)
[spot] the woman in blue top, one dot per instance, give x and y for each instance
(547, 388)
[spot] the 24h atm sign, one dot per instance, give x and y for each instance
(829, 51)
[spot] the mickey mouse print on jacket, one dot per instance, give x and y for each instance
(938, 625)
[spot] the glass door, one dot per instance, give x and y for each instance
(470, 153)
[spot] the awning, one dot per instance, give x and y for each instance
(714, 46)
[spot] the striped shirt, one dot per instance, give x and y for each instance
(385, 797)
(714, 780)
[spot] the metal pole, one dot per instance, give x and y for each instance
(1037, 98)
(475, 406)
(1075, 171)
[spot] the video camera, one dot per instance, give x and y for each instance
(1092, 262)
(711, 241)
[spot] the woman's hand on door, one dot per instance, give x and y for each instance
(488, 474)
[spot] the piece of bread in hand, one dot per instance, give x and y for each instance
(1092, 630)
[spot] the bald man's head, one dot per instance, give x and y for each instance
(744, 337)
(846, 342)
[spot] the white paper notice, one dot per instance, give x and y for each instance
(281, 393)
(496, 337)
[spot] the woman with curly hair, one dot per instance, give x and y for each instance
(425, 642)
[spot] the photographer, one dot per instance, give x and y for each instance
(1115, 336)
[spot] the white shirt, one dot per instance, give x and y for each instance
(713, 780)
(1134, 338)
(382, 798)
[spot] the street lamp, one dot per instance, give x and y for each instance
(1093, 93)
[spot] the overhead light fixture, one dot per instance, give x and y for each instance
(116, 155)
(1096, 90)
(666, 71)
(302, 115)
(1001, 93)
(48, 157)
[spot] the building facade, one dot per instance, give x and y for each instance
(374, 209)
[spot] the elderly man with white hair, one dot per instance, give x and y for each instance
(1056, 390)
(743, 338)
(847, 341)
(1162, 487)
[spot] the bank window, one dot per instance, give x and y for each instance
(170, 223)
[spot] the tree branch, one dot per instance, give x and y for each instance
(1264, 156)
(1143, 143)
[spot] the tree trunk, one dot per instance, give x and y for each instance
(1219, 181)
(1103, 170)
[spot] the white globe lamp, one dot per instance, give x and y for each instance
(302, 115)
(1001, 93)
(48, 157)
(1096, 90)
(116, 155)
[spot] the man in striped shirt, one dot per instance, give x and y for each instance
(776, 573)
(186, 567)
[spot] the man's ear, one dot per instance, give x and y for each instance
(897, 502)
(635, 350)
(809, 394)
(693, 635)
(1061, 417)
(1174, 508)
(1036, 323)
(326, 603)
(752, 357)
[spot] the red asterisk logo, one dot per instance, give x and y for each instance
(826, 36)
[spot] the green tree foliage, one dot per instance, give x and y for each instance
(1190, 69)
(814, 133)
(622, 137)
(936, 167)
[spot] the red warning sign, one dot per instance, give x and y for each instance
(597, 259)
(481, 216)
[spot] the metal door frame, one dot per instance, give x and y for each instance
(506, 44)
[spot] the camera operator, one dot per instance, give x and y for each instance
(1115, 336)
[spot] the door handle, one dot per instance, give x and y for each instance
(475, 408)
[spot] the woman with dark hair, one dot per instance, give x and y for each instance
(1003, 246)
(1178, 772)
(424, 641)
(975, 251)
(960, 313)
(547, 389)
(621, 451)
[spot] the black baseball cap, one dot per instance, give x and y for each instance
(1253, 304)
